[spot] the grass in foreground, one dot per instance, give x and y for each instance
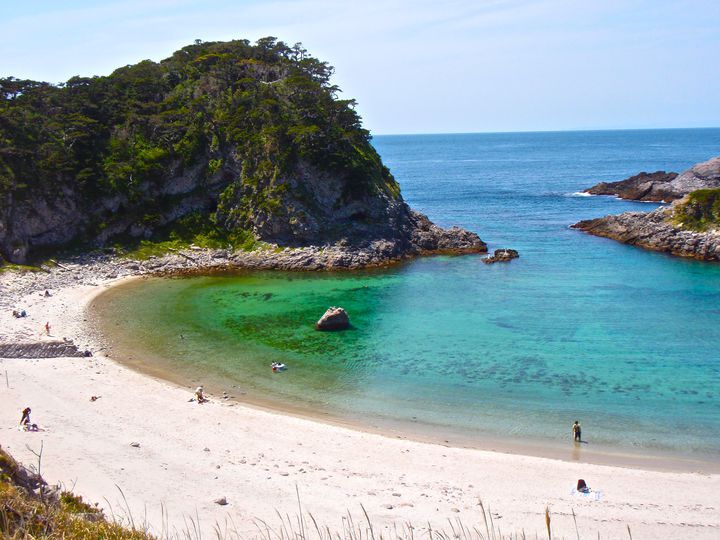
(29, 510)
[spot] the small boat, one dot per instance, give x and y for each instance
(277, 366)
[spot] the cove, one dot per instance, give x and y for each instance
(578, 328)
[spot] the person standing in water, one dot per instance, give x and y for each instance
(577, 431)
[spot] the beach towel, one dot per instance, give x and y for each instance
(593, 495)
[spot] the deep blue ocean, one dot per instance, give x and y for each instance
(578, 327)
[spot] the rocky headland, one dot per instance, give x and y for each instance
(229, 146)
(656, 231)
(689, 227)
(662, 186)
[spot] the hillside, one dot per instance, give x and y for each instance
(222, 143)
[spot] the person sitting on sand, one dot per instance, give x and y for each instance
(577, 431)
(582, 487)
(200, 395)
(25, 419)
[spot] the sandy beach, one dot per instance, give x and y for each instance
(143, 451)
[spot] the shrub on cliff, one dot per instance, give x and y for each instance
(699, 210)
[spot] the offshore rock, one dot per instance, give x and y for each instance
(651, 187)
(501, 255)
(655, 231)
(663, 186)
(335, 318)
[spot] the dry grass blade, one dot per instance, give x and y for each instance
(577, 532)
(317, 528)
(547, 522)
(300, 513)
(482, 508)
(370, 527)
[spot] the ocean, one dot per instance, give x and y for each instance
(451, 349)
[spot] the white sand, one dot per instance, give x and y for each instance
(191, 454)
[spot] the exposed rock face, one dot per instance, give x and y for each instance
(50, 219)
(663, 186)
(501, 255)
(335, 318)
(641, 187)
(654, 230)
(312, 212)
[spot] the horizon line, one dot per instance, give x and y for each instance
(510, 132)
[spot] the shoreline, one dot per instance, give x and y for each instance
(270, 453)
(563, 450)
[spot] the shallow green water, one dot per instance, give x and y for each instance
(436, 349)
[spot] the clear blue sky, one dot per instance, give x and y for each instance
(418, 66)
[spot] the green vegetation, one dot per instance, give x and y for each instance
(194, 229)
(27, 510)
(9, 267)
(700, 211)
(221, 128)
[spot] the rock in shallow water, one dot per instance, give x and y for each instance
(335, 318)
(501, 255)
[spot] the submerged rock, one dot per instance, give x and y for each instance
(501, 255)
(335, 318)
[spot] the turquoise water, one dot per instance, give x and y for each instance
(579, 327)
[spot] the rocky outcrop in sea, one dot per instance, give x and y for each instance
(662, 186)
(501, 255)
(686, 228)
(655, 231)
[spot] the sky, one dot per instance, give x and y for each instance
(418, 66)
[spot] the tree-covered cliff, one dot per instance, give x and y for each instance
(236, 140)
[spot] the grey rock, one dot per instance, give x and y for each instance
(655, 231)
(663, 186)
(335, 318)
(222, 501)
(501, 255)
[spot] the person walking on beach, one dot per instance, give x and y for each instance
(577, 431)
(47, 328)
